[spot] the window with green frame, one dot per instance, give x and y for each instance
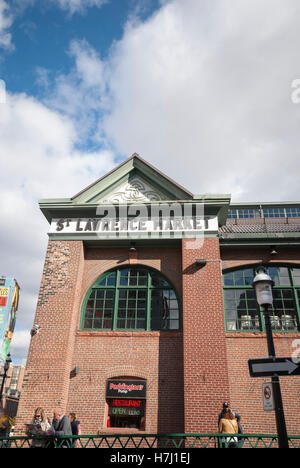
(242, 312)
(134, 298)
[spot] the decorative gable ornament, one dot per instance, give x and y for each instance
(135, 191)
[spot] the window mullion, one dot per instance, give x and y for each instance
(148, 309)
(116, 304)
(296, 300)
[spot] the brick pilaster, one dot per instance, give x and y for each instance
(206, 384)
(47, 375)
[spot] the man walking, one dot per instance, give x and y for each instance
(61, 426)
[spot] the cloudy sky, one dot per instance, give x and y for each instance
(203, 89)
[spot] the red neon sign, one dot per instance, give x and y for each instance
(3, 301)
(130, 403)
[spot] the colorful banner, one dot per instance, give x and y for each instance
(9, 301)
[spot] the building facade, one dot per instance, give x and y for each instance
(12, 388)
(147, 316)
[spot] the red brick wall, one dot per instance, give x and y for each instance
(189, 374)
(206, 384)
(46, 381)
(154, 356)
(60, 346)
(246, 392)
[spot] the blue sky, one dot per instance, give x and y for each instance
(42, 33)
(201, 89)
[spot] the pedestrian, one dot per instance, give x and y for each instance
(226, 406)
(4, 427)
(228, 425)
(4, 423)
(75, 425)
(37, 428)
(61, 426)
(241, 440)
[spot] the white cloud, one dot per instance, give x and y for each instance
(82, 94)
(5, 23)
(39, 159)
(201, 89)
(20, 341)
(204, 89)
(79, 6)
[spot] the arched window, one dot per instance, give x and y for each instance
(242, 312)
(134, 298)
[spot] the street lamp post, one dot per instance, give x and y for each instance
(7, 364)
(263, 284)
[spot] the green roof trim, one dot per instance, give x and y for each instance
(85, 203)
(265, 204)
(125, 169)
(260, 235)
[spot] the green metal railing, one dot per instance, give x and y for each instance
(151, 441)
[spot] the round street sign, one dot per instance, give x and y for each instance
(268, 397)
(267, 392)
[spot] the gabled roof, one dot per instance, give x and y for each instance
(133, 181)
(133, 167)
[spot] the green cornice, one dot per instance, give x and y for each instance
(265, 204)
(91, 236)
(221, 202)
(256, 240)
(259, 235)
(66, 208)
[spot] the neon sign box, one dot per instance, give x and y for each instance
(126, 389)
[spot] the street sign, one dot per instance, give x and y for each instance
(270, 367)
(268, 397)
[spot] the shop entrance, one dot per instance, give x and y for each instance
(126, 402)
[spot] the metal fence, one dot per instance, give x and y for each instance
(150, 441)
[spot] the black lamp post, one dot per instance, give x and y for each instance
(7, 364)
(263, 284)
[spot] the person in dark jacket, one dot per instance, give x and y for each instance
(61, 426)
(225, 409)
(75, 425)
(240, 439)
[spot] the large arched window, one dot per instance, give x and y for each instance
(135, 298)
(242, 312)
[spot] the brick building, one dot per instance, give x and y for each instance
(148, 327)
(12, 388)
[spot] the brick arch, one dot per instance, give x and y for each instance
(131, 372)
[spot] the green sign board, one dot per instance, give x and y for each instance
(9, 300)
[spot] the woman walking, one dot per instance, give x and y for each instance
(38, 427)
(228, 425)
(75, 425)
